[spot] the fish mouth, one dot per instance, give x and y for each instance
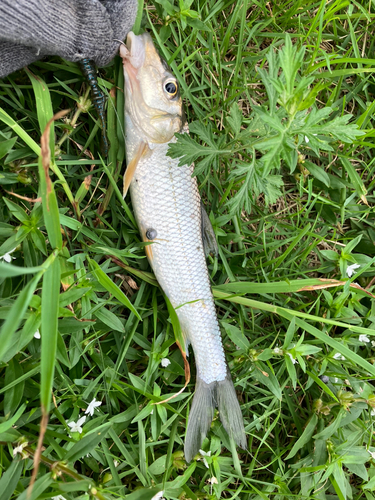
(134, 53)
(133, 57)
(136, 49)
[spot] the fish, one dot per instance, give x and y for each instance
(168, 210)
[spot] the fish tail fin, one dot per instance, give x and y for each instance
(206, 398)
(200, 417)
(230, 411)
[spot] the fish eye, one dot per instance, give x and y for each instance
(171, 88)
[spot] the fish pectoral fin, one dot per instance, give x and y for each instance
(131, 168)
(208, 234)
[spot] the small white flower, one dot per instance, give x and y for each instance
(158, 496)
(372, 453)
(350, 270)
(165, 362)
(115, 463)
(294, 361)
(59, 497)
(91, 407)
(277, 350)
(373, 343)
(204, 455)
(373, 412)
(364, 339)
(76, 427)
(7, 257)
(307, 140)
(213, 480)
(336, 380)
(152, 412)
(339, 356)
(19, 449)
(37, 334)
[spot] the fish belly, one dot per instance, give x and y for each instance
(166, 199)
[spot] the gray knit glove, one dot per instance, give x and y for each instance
(72, 29)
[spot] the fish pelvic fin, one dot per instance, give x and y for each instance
(208, 234)
(207, 396)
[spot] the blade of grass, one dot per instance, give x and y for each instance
(49, 315)
(43, 106)
(111, 287)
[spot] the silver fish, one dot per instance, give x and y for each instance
(167, 208)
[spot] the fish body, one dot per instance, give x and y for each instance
(167, 207)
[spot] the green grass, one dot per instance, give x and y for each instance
(280, 101)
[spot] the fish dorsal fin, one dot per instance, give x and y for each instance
(208, 234)
(130, 170)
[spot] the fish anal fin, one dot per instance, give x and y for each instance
(131, 168)
(186, 363)
(148, 250)
(208, 234)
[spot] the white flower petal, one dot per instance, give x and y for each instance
(7, 257)
(158, 496)
(37, 335)
(19, 448)
(364, 338)
(350, 270)
(82, 420)
(307, 140)
(294, 361)
(91, 407)
(165, 362)
(205, 453)
(339, 356)
(76, 427)
(213, 480)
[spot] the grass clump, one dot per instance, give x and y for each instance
(280, 104)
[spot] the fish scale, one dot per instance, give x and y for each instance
(177, 255)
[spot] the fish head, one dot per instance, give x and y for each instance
(152, 97)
